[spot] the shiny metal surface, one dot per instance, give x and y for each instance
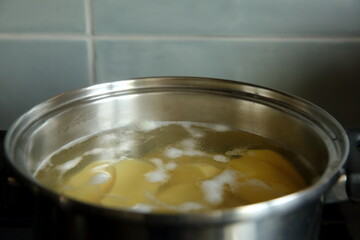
(338, 191)
(301, 126)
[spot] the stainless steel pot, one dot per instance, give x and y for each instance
(301, 126)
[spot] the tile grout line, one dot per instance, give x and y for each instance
(90, 40)
(34, 36)
(91, 37)
(230, 38)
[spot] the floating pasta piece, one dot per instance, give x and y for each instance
(131, 185)
(279, 162)
(193, 172)
(264, 175)
(181, 193)
(91, 183)
(254, 191)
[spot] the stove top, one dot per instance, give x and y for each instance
(339, 221)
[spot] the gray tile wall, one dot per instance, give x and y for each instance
(308, 48)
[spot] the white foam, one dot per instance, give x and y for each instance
(189, 146)
(142, 207)
(159, 174)
(104, 153)
(126, 145)
(190, 206)
(108, 154)
(213, 189)
(220, 158)
(69, 164)
(100, 178)
(170, 166)
(188, 143)
(148, 126)
(103, 166)
(196, 133)
(158, 162)
(185, 207)
(173, 152)
(188, 149)
(194, 153)
(94, 151)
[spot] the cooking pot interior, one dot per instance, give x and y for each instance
(88, 116)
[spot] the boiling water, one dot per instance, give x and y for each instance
(174, 167)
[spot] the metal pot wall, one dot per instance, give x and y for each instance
(301, 126)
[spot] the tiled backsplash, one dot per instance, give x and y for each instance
(308, 48)
(42, 16)
(227, 18)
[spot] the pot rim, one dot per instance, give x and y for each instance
(313, 192)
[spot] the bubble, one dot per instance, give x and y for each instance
(173, 152)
